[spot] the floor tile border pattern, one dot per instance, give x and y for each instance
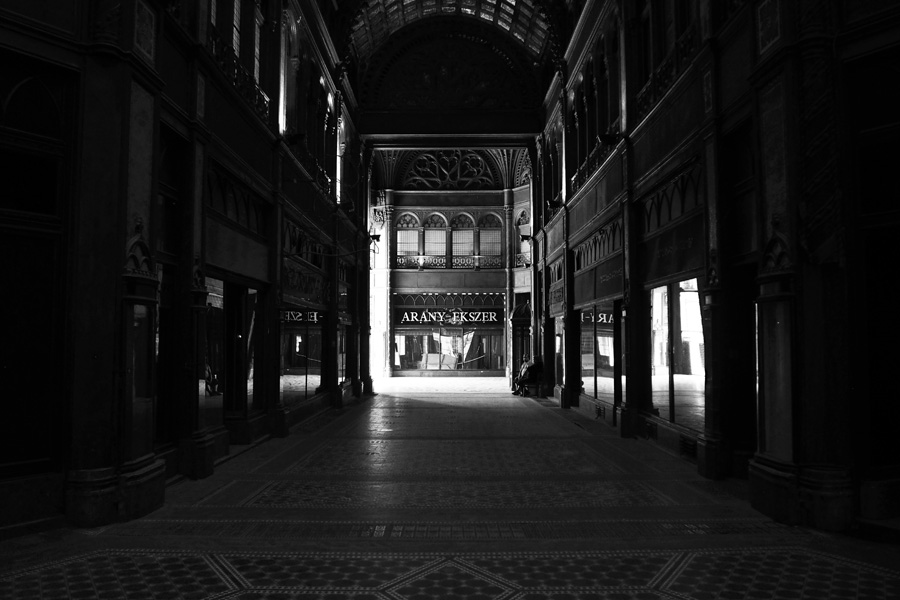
(508, 494)
(454, 530)
(341, 455)
(245, 571)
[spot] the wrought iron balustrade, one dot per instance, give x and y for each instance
(241, 78)
(672, 66)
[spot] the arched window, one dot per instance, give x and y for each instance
(490, 241)
(463, 233)
(435, 241)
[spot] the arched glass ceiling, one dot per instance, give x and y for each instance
(517, 18)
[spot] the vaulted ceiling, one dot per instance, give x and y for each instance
(449, 68)
(521, 20)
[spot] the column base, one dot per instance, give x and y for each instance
(278, 422)
(197, 455)
(819, 496)
(97, 497)
(713, 458)
(246, 429)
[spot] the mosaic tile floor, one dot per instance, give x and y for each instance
(467, 493)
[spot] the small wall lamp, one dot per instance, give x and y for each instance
(375, 237)
(525, 237)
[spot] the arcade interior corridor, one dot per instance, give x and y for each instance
(443, 489)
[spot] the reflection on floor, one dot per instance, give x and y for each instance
(437, 489)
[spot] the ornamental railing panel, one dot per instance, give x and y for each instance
(241, 78)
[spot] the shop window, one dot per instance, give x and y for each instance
(301, 357)
(605, 355)
(214, 360)
(449, 349)
(342, 353)
(598, 352)
(560, 369)
(249, 339)
(587, 353)
(677, 354)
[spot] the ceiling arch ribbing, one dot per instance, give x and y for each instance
(535, 25)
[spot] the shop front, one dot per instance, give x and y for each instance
(449, 339)
(301, 355)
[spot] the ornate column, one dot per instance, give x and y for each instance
(388, 263)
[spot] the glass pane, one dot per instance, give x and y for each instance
(294, 365)
(659, 351)
(560, 346)
(214, 376)
(409, 350)
(435, 242)
(463, 242)
(139, 369)
(342, 353)
(605, 358)
(407, 242)
(249, 338)
(588, 383)
(313, 360)
(688, 357)
(490, 242)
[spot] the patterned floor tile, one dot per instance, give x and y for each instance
(297, 494)
(788, 573)
(330, 571)
(453, 530)
(454, 457)
(451, 579)
(467, 493)
(116, 575)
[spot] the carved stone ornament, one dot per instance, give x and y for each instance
(139, 273)
(449, 170)
(145, 31)
(777, 253)
(138, 257)
(106, 15)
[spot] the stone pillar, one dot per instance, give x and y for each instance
(713, 457)
(388, 262)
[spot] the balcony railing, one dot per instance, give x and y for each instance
(668, 71)
(406, 261)
(593, 161)
(242, 80)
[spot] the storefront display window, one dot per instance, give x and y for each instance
(588, 381)
(598, 352)
(214, 361)
(301, 355)
(342, 353)
(249, 339)
(605, 356)
(677, 354)
(560, 348)
(448, 350)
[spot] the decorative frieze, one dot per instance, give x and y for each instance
(606, 241)
(680, 195)
(449, 170)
